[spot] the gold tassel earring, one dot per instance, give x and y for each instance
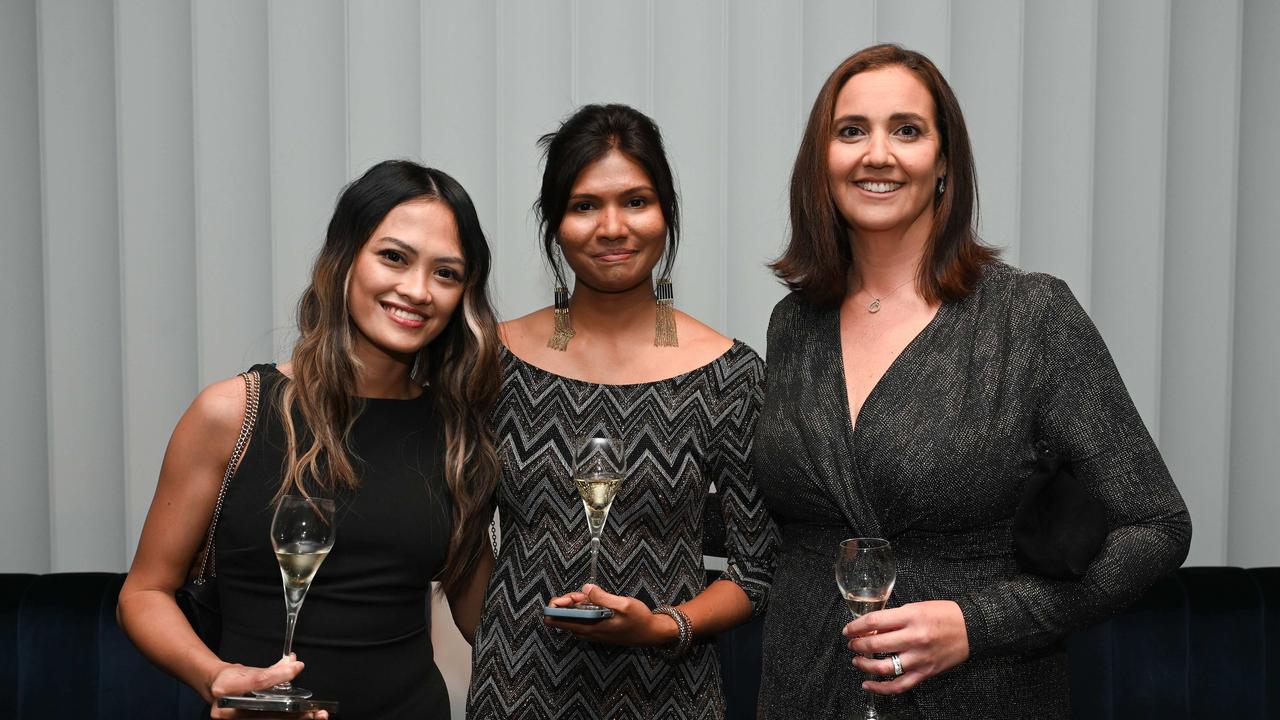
(664, 329)
(563, 331)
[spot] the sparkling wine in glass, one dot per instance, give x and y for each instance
(597, 473)
(865, 573)
(302, 533)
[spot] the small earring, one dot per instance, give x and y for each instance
(942, 184)
(563, 330)
(664, 329)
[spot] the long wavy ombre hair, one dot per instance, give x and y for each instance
(460, 365)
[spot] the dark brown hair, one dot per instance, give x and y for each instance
(585, 137)
(460, 364)
(818, 257)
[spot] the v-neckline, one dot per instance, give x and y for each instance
(852, 422)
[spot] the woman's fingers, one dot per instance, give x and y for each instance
(597, 595)
(881, 673)
(894, 686)
(928, 637)
(242, 679)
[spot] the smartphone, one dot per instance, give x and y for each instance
(573, 613)
(277, 704)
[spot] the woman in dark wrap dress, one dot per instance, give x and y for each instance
(910, 376)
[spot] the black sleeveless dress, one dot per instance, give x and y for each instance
(364, 629)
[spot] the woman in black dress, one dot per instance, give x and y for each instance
(911, 375)
(383, 408)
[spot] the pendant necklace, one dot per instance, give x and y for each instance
(873, 307)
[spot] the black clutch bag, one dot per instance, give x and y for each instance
(198, 597)
(198, 600)
(1059, 527)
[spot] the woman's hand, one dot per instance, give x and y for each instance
(928, 637)
(242, 680)
(633, 623)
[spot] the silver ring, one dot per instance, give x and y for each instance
(897, 664)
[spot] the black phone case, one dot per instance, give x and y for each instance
(249, 702)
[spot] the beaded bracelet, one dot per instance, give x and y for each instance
(685, 627)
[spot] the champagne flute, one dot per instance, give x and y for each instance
(302, 533)
(598, 473)
(865, 573)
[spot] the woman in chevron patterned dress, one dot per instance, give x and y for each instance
(683, 398)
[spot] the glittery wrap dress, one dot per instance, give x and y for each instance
(941, 450)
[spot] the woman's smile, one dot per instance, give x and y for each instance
(404, 316)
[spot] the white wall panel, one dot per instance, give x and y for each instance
(306, 42)
(832, 31)
(920, 25)
(157, 244)
(1057, 141)
(81, 286)
(459, 102)
(613, 52)
(383, 81)
(689, 106)
(24, 510)
(1127, 147)
(1129, 192)
(232, 187)
(1199, 292)
(764, 121)
(534, 88)
(1254, 493)
(986, 75)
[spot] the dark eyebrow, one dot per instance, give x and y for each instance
(908, 117)
(408, 249)
(628, 191)
(897, 117)
(401, 245)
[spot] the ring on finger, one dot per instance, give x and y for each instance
(897, 664)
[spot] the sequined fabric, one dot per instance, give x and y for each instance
(941, 449)
(681, 434)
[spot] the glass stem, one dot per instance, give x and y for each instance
(871, 713)
(595, 558)
(293, 598)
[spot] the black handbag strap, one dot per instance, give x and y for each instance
(208, 568)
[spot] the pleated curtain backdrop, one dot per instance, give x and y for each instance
(167, 169)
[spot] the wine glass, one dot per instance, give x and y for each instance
(598, 473)
(302, 533)
(865, 574)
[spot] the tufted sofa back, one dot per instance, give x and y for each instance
(1204, 642)
(62, 655)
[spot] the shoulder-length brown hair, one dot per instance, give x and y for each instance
(818, 257)
(460, 365)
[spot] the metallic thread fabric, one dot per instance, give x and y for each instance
(936, 464)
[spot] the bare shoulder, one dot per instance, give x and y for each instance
(701, 342)
(527, 334)
(217, 412)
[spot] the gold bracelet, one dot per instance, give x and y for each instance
(685, 627)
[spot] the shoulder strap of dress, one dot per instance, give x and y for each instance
(251, 394)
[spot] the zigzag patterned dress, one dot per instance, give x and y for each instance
(682, 434)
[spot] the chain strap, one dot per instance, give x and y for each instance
(208, 567)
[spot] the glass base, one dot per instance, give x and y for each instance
(284, 691)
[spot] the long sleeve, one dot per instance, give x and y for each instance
(1085, 412)
(751, 538)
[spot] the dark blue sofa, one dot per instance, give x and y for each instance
(1204, 643)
